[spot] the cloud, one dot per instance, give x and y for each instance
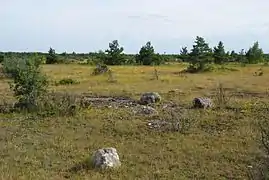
(86, 25)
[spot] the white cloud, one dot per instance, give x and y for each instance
(86, 25)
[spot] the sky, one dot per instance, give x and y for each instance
(89, 25)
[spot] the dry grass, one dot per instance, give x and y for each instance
(220, 144)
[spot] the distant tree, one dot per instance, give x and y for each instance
(52, 57)
(184, 54)
(233, 56)
(255, 54)
(219, 54)
(114, 55)
(130, 59)
(242, 57)
(147, 55)
(100, 57)
(1, 57)
(233, 53)
(200, 55)
(228, 56)
(266, 57)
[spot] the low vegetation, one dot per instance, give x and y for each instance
(66, 81)
(49, 130)
(28, 84)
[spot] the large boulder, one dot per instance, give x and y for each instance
(202, 102)
(106, 158)
(150, 97)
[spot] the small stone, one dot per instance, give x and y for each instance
(150, 97)
(164, 125)
(106, 158)
(145, 110)
(202, 102)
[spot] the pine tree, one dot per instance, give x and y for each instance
(255, 54)
(184, 54)
(200, 55)
(219, 54)
(114, 54)
(147, 55)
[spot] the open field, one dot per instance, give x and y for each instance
(220, 143)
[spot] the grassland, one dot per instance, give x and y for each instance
(221, 143)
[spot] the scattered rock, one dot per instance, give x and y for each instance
(164, 125)
(100, 69)
(145, 110)
(106, 158)
(169, 105)
(202, 102)
(150, 97)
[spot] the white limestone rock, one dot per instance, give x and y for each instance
(106, 158)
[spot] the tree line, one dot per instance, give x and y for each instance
(198, 56)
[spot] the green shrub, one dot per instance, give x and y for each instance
(58, 104)
(10, 67)
(95, 60)
(67, 81)
(28, 84)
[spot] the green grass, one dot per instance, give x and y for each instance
(220, 144)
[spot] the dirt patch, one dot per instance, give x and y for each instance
(106, 101)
